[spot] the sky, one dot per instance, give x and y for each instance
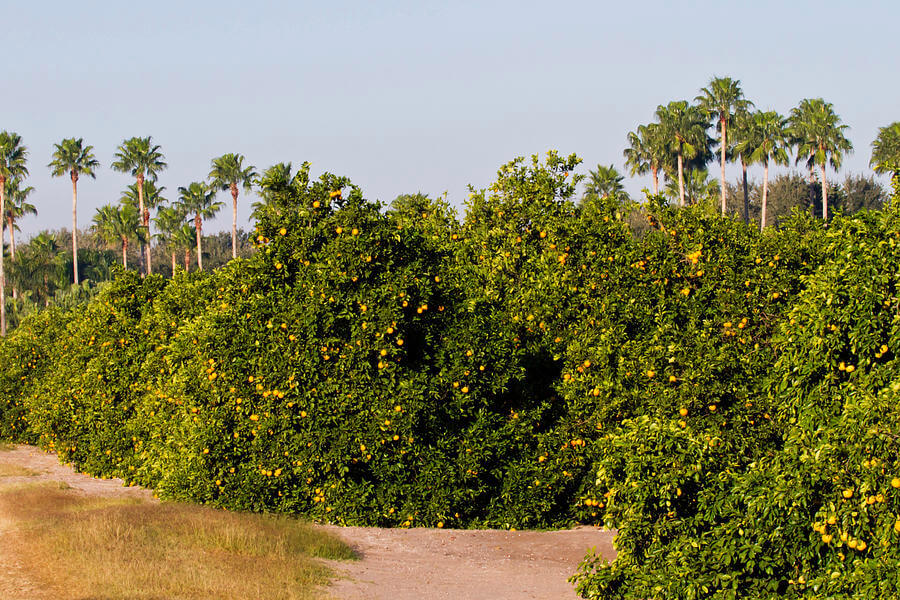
(412, 96)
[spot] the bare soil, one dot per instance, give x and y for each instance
(396, 564)
(410, 564)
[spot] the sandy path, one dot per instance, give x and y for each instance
(47, 468)
(396, 564)
(410, 564)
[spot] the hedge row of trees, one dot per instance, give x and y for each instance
(722, 396)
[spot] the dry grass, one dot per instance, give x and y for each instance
(117, 549)
(8, 470)
(6, 446)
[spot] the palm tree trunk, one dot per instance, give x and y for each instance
(812, 192)
(198, 227)
(173, 263)
(655, 172)
(146, 218)
(74, 174)
(680, 180)
(824, 195)
(187, 260)
(12, 250)
(2, 274)
(124, 252)
(746, 194)
(765, 198)
(12, 237)
(234, 197)
(722, 180)
(142, 264)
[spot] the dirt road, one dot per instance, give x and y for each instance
(396, 564)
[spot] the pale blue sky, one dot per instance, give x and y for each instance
(405, 96)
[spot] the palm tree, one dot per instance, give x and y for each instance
(273, 184)
(886, 150)
(12, 166)
(73, 157)
(153, 198)
(720, 100)
(819, 136)
(684, 128)
(745, 136)
(143, 160)
(228, 173)
(646, 152)
(697, 186)
(184, 238)
(118, 225)
(17, 206)
(605, 182)
(37, 267)
(199, 199)
(169, 219)
(772, 144)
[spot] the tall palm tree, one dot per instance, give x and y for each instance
(646, 152)
(169, 219)
(819, 136)
(73, 157)
(118, 225)
(143, 160)
(745, 136)
(12, 166)
(605, 182)
(153, 198)
(886, 150)
(720, 100)
(228, 173)
(772, 144)
(684, 127)
(199, 199)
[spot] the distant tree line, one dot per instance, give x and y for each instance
(676, 147)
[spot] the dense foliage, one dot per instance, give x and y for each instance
(712, 391)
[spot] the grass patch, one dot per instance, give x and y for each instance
(6, 446)
(8, 470)
(121, 548)
(34, 485)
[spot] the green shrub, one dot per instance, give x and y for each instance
(709, 390)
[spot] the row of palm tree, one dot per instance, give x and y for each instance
(143, 160)
(13, 156)
(678, 139)
(677, 145)
(179, 225)
(130, 220)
